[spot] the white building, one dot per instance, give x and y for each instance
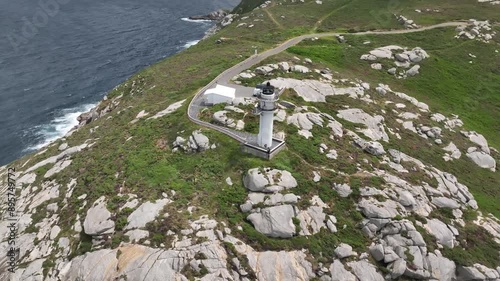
(219, 94)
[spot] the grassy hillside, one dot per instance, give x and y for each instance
(137, 158)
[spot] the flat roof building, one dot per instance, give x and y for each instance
(219, 94)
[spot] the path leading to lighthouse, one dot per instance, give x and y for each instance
(224, 78)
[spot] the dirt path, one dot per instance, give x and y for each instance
(318, 23)
(271, 16)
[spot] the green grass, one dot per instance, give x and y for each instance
(247, 6)
(476, 246)
(128, 158)
(448, 83)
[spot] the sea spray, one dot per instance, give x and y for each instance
(59, 126)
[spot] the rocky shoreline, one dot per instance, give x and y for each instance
(213, 16)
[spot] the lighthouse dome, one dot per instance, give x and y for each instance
(268, 89)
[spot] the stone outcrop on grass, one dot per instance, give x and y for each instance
(403, 59)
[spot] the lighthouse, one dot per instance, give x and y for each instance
(265, 108)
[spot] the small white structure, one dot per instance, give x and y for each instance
(219, 94)
(266, 107)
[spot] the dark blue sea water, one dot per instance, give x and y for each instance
(60, 58)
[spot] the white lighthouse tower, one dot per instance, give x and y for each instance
(266, 107)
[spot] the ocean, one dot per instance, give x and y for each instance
(58, 58)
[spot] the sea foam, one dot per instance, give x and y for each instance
(191, 43)
(198, 21)
(60, 126)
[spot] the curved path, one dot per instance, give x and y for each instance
(196, 103)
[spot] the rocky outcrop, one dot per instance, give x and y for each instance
(344, 251)
(476, 30)
(171, 108)
(339, 273)
(402, 58)
(196, 142)
(371, 208)
(365, 271)
(374, 124)
(409, 24)
(98, 219)
(372, 147)
(482, 159)
(100, 110)
(145, 213)
(316, 91)
(213, 16)
(274, 221)
(343, 190)
(453, 152)
(268, 180)
(442, 232)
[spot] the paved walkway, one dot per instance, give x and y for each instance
(225, 77)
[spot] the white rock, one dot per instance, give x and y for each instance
(444, 202)
(483, 160)
(27, 178)
(398, 268)
(268, 181)
(137, 234)
(369, 57)
(263, 70)
(344, 251)
(284, 66)
(54, 232)
(413, 70)
(145, 213)
(98, 219)
(441, 268)
(469, 273)
(372, 147)
(63, 146)
(343, 190)
(330, 223)
(377, 251)
(336, 128)
(479, 140)
(300, 69)
(317, 176)
(339, 273)
(365, 271)
(406, 199)
(382, 53)
(274, 221)
(453, 150)
(375, 129)
(371, 208)
(332, 154)
(311, 220)
(171, 108)
(58, 167)
(201, 140)
(402, 57)
(441, 231)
